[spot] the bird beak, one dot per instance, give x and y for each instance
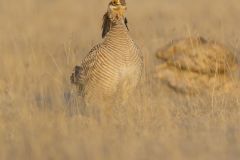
(117, 2)
(119, 8)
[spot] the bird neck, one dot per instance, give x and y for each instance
(118, 34)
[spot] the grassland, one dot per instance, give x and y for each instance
(41, 41)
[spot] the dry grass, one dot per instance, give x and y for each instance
(40, 43)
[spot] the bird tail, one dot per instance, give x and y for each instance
(75, 77)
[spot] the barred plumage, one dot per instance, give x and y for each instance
(113, 68)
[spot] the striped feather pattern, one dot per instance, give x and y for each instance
(111, 69)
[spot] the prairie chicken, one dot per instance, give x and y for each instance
(198, 55)
(112, 69)
(194, 65)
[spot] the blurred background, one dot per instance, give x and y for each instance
(42, 40)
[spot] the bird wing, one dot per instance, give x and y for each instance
(81, 73)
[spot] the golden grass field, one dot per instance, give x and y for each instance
(42, 40)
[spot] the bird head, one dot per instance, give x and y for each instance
(117, 10)
(115, 14)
